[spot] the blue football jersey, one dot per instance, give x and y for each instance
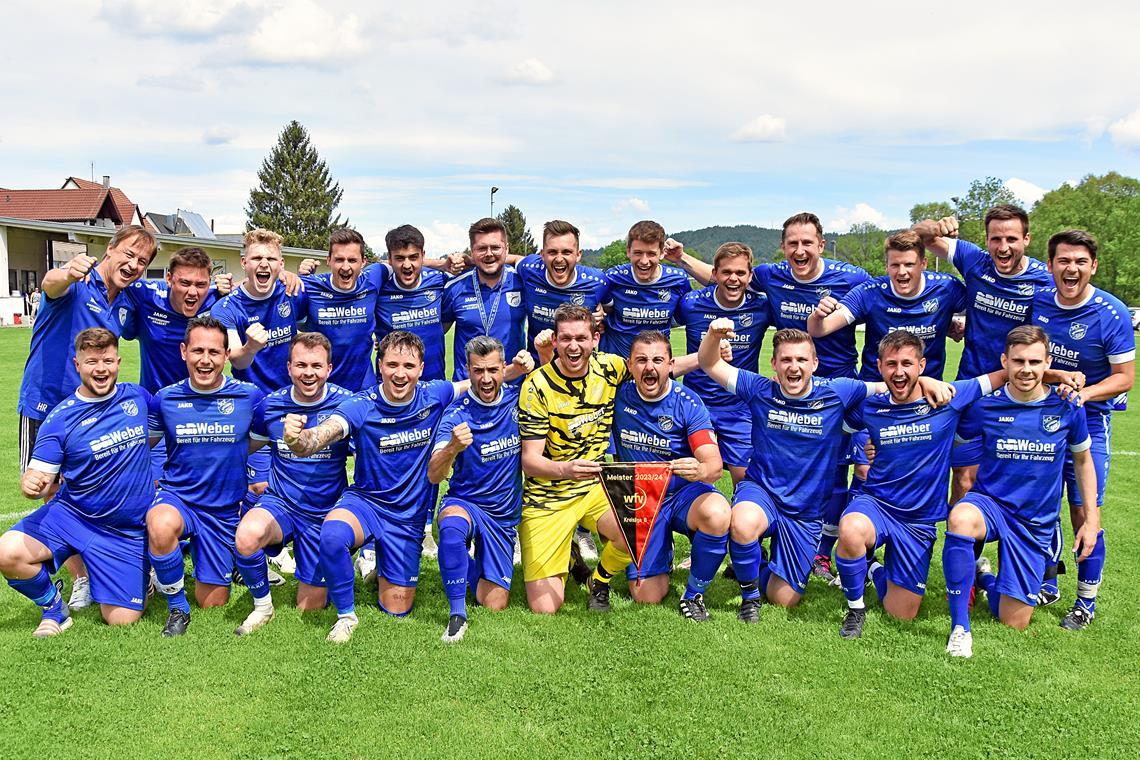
(207, 440)
(502, 315)
(393, 446)
(278, 314)
(159, 329)
(750, 319)
(100, 448)
(792, 301)
(418, 310)
(348, 319)
(541, 297)
(926, 314)
(1089, 337)
(660, 430)
(912, 450)
(309, 484)
(1023, 452)
(488, 473)
(637, 306)
(49, 373)
(995, 304)
(796, 442)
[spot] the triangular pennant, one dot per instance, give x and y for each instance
(636, 491)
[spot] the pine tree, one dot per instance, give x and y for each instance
(295, 196)
(518, 237)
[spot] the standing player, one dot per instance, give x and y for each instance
(640, 295)
(97, 440)
(301, 490)
(487, 300)
(909, 298)
(1025, 427)
(905, 493)
(730, 297)
(412, 298)
(206, 420)
(1089, 332)
(478, 440)
(658, 420)
(1000, 282)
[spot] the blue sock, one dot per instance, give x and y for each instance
(958, 566)
(853, 575)
(337, 538)
(170, 570)
(708, 553)
(43, 593)
(746, 562)
(878, 575)
(988, 582)
(1088, 575)
(1056, 551)
(454, 564)
(255, 572)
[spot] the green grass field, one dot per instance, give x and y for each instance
(637, 682)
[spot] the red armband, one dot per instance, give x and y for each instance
(700, 438)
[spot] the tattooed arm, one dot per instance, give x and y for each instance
(306, 442)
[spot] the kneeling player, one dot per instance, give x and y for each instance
(301, 490)
(658, 420)
(905, 493)
(1025, 427)
(479, 437)
(206, 420)
(97, 439)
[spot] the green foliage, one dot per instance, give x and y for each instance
(519, 239)
(862, 246)
(612, 255)
(295, 196)
(765, 243)
(983, 195)
(932, 210)
(1109, 208)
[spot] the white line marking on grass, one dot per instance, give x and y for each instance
(15, 515)
(1127, 453)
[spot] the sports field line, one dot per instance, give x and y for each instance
(14, 515)
(1126, 453)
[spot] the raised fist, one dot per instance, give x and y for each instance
(673, 251)
(461, 436)
(79, 267)
(722, 328)
(256, 336)
(294, 424)
(224, 283)
(826, 306)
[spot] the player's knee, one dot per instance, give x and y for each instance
(248, 539)
(396, 600)
(336, 536)
(747, 522)
(648, 592)
(119, 615)
(163, 522)
(11, 552)
(855, 531)
(494, 599)
(311, 598)
(208, 595)
(715, 516)
(965, 520)
(544, 606)
(454, 511)
(900, 608)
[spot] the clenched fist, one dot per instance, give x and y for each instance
(673, 251)
(79, 267)
(722, 328)
(293, 425)
(523, 362)
(826, 306)
(256, 336)
(33, 483)
(308, 266)
(224, 283)
(461, 436)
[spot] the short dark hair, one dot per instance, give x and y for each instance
(731, 251)
(398, 339)
(649, 337)
(790, 335)
(133, 232)
(404, 236)
(896, 340)
(571, 312)
(346, 236)
(485, 225)
(1006, 211)
(206, 322)
(191, 257)
(646, 231)
(1026, 335)
(804, 217)
(557, 228)
(1073, 237)
(907, 240)
(311, 340)
(95, 339)
(484, 345)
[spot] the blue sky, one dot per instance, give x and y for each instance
(599, 113)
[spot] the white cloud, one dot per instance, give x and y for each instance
(844, 218)
(1126, 132)
(300, 31)
(634, 183)
(442, 238)
(764, 128)
(219, 135)
(631, 204)
(530, 72)
(187, 19)
(1025, 191)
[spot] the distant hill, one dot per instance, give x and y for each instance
(765, 242)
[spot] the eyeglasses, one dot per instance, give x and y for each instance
(496, 249)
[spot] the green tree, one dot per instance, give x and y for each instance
(1109, 208)
(863, 246)
(932, 210)
(519, 239)
(612, 255)
(295, 196)
(983, 195)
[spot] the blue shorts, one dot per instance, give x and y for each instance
(673, 518)
(1023, 550)
(733, 427)
(494, 542)
(158, 459)
(398, 544)
(116, 559)
(305, 535)
(257, 466)
(966, 453)
(211, 533)
(909, 544)
(853, 444)
(794, 540)
(1100, 431)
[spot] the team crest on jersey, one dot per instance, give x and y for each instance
(430, 296)
(514, 298)
(745, 320)
(823, 292)
(322, 417)
(663, 295)
(284, 309)
(515, 413)
(665, 423)
(130, 408)
(922, 409)
(122, 315)
(1050, 423)
(226, 405)
(1025, 288)
(817, 404)
(1077, 331)
(424, 414)
(930, 306)
(578, 299)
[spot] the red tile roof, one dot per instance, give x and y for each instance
(59, 205)
(126, 208)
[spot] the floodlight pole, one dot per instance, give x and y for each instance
(493, 191)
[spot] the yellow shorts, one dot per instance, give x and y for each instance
(545, 534)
